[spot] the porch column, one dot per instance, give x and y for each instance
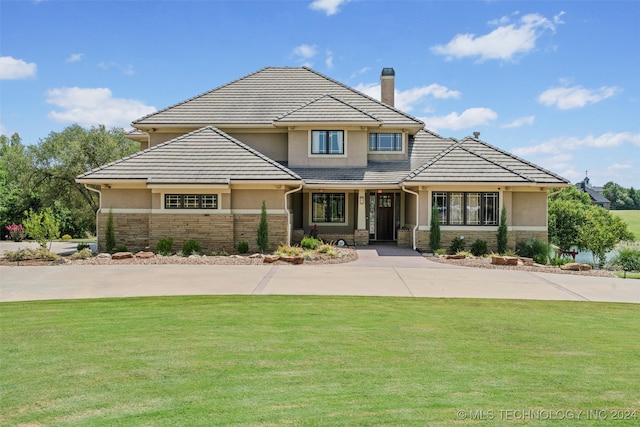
(362, 209)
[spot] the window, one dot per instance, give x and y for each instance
(327, 142)
(191, 201)
(385, 142)
(328, 207)
(472, 208)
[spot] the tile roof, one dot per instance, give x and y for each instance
(267, 94)
(327, 109)
(205, 156)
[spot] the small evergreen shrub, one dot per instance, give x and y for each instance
(263, 229)
(165, 246)
(434, 230)
(82, 246)
(110, 233)
(479, 248)
(121, 248)
(310, 243)
(457, 245)
(192, 247)
(243, 247)
(223, 252)
(503, 242)
(440, 251)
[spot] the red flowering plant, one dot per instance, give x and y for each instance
(16, 232)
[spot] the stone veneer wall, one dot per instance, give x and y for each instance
(131, 230)
(405, 238)
(245, 228)
(213, 232)
(361, 237)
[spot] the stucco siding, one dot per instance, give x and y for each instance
(529, 209)
(126, 199)
(272, 145)
(355, 151)
(252, 199)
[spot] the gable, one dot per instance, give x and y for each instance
(327, 109)
(205, 156)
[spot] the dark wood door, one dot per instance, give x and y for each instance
(385, 217)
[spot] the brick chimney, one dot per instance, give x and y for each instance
(387, 84)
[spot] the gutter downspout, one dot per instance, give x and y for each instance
(417, 213)
(286, 208)
(97, 213)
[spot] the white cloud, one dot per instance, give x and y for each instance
(620, 166)
(519, 122)
(15, 69)
(305, 51)
(125, 69)
(329, 60)
(360, 72)
(503, 43)
(566, 98)
(93, 106)
(406, 100)
(471, 117)
(75, 57)
(561, 144)
(330, 7)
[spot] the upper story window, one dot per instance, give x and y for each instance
(385, 142)
(327, 142)
(467, 208)
(191, 201)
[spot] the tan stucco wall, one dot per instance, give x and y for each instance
(355, 150)
(129, 198)
(529, 209)
(410, 209)
(252, 199)
(272, 145)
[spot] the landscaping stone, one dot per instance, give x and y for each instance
(271, 258)
(456, 256)
(122, 255)
(145, 254)
(504, 260)
(256, 255)
(526, 261)
(574, 266)
(103, 255)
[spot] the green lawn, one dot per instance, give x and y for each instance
(334, 361)
(633, 219)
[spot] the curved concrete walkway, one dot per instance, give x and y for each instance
(379, 271)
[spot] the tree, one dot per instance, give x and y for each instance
(502, 232)
(567, 213)
(42, 226)
(263, 230)
(601, 232)
(434, 234)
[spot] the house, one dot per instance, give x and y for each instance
(594, 193)
(319, 153)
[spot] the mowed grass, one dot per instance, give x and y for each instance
(633, 219)
(334, 361)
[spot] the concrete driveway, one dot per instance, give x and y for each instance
(379, 271)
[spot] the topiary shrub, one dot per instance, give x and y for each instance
(165, 246)
(243, 247)
(457, 245)
(479, 248)
(192, 247)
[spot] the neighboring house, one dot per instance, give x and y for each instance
(319, 153)
(594, 193)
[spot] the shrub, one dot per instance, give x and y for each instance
(627, 258)
(192, 247)
(121, 248)
(534, 248)
(42, 226)
(82, 254)
(288, 250)
(223, 252)
(82, 246)
(109, 233)
(441, 251)
(16, 232)
(66, 237)
(27, 253)
(310, 243)
(263, 229)
(457, 245)
(243, 247)
(434, 232)
(479, 248)
(558, 262)
(503, 245)
(165, 246)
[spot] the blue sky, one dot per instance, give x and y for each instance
(557, 83)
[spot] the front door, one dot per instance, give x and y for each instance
(384, 222)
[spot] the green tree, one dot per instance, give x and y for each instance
(42, 226)
(263, 229)
(601, 232)
(109, 233)
(567, 213)
(503, 243)
(60, 157)
(434, 232)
